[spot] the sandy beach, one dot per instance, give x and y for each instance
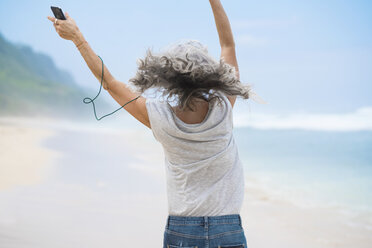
(23, 161)
(74, 188)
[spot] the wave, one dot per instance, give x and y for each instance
(360, 120)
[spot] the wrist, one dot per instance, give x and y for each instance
(78, 39)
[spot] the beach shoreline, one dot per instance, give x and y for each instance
(268, 220)
(271, 221)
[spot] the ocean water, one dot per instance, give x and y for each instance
(310, 168)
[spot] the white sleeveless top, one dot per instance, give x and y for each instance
(203, 171)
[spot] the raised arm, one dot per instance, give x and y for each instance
(68, 30)
(226, 38)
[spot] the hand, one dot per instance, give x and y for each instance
(67, 29)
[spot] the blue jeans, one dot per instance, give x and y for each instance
(224, 231)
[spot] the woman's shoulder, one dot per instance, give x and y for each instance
(224, 98)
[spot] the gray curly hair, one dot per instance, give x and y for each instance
(186, 70)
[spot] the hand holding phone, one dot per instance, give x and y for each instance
(58, 13)
(66, 27)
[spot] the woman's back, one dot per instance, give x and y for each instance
(203, 169)
(193, 117)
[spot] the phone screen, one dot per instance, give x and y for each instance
(58, 13)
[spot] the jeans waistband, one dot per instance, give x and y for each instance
(204, 220)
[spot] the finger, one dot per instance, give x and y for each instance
(67, 15)
(52, 19)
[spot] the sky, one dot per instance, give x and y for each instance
(303, 57)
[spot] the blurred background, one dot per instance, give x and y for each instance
(68, 180)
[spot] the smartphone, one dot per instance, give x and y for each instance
(58, 13)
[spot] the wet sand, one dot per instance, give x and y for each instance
(274, 222)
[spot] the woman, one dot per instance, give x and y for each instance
(205, 179)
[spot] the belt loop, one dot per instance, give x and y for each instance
(205, 221)
(240, 220)
(167, 225)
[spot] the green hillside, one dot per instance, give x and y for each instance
(31, 84)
